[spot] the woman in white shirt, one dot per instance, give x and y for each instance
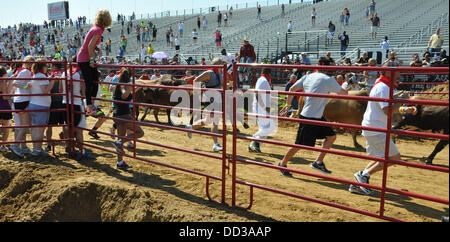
(38, 103)
(21, 103)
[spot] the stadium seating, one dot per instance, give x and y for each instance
(408, 24)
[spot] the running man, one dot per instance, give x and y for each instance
(376, 117)
(313, 108)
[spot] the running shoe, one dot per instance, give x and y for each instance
(356, 190)
(118, 147)
(283, 172)
(3, 149)
(36, 153)
(363, 179)
(26, 151)
(254, 147)
(189, 134)
(48, 148)
(123, 165)
(130, 145)
(94, 135)
(320, 167)
(217, 147)
(16, 150)
(44, 153)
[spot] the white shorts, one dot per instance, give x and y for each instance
(330, 35)
(375, 146)
(374, 29)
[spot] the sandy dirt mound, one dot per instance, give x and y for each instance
(61, 189)
(438, 89)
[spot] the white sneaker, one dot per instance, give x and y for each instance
(217, 148)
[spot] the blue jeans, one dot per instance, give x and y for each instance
(347, 18)
(247, 60)
(343, 49)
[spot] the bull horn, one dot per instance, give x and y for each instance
(398, 94)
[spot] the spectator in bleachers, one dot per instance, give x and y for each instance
(363, 60)
(177, 44)
(290, 26)
(385, 44)
(205, 23)
(372, 6)
(150, 49)
(283, 14)
(370, 76)
(375, 25)
(225, 20)
(313, 17)
(195, 36)
(219, 19)
(331, 60)
(305, 60)
(347, 62)
(154, 31)
(331, 30)
(230, 12)
(436, 41)
(342, 18)
(416, 62)
(286, 60)
(426, 62)
(392, 57)
(259, 12)
(168, 38)
(86, 57)
(345, 41)
(347, 16)
(180, 28)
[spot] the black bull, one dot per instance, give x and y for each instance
(432, 118)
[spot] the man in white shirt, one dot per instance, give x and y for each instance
(376, 117)
(261, 106)
(156, 75)
(313, 110)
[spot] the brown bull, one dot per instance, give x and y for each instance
(348, 111)
(159, 96)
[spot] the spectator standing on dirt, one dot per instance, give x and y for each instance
(376, 117)
(123, 112)
(313, 109)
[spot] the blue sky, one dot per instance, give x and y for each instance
(35, 11)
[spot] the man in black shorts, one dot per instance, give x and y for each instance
(316, 82)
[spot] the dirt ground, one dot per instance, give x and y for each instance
(61, 189)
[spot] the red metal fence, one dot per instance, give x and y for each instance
(230, 161)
